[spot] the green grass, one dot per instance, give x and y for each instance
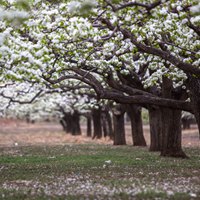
(80, 172)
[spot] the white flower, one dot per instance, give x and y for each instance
(170, 193)
(16, 144)
(108, 161)
(195, 9)
(184, 21)
(179, 8)
(163, 11)
(193, 195)
(139, 39)
(73, 6)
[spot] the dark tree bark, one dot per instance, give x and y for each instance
(134, 113)
(63, 123)
(71, 123)
(104, 125)
(194, 87)
(76, 128)
(185, 123)
(66, 122)
(143, 98)
(118, 123)
(89, 126)
(171, 126)
(97, 126)
(155, 123)
(171, 133)
(107, 124)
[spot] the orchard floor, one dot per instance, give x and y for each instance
(13, 133)
(40, 161)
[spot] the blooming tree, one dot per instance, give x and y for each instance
(143, 52)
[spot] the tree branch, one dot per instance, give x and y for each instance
(148, 7)
(146, 100)
(12, 100)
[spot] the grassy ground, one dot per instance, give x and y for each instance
(96, 172)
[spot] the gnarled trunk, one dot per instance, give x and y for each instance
(97, 126)
(107, 124)
(110, 126)
(104, 124)
(134, 113)
(89, 126)
(76, 128)
(194, 87)
(171, 126)
(63, 124)
(155, 128)
(118, 123)
(71, 123)
(171, 133)
(66, 122)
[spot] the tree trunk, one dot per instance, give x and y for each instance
(63, 123)
(104, 124)
(66, 122)
(71, 123)
(134, 113)
(107, 124)
(171, 133)
(89, 126)
(97, 126)
(75, 120)
(185, 123)
(119, 128)
(171, 126)
(155, 128)
(110, 127)
(194, 87)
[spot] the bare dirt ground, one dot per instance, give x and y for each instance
(14, 133)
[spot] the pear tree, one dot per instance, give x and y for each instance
(144, 53)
